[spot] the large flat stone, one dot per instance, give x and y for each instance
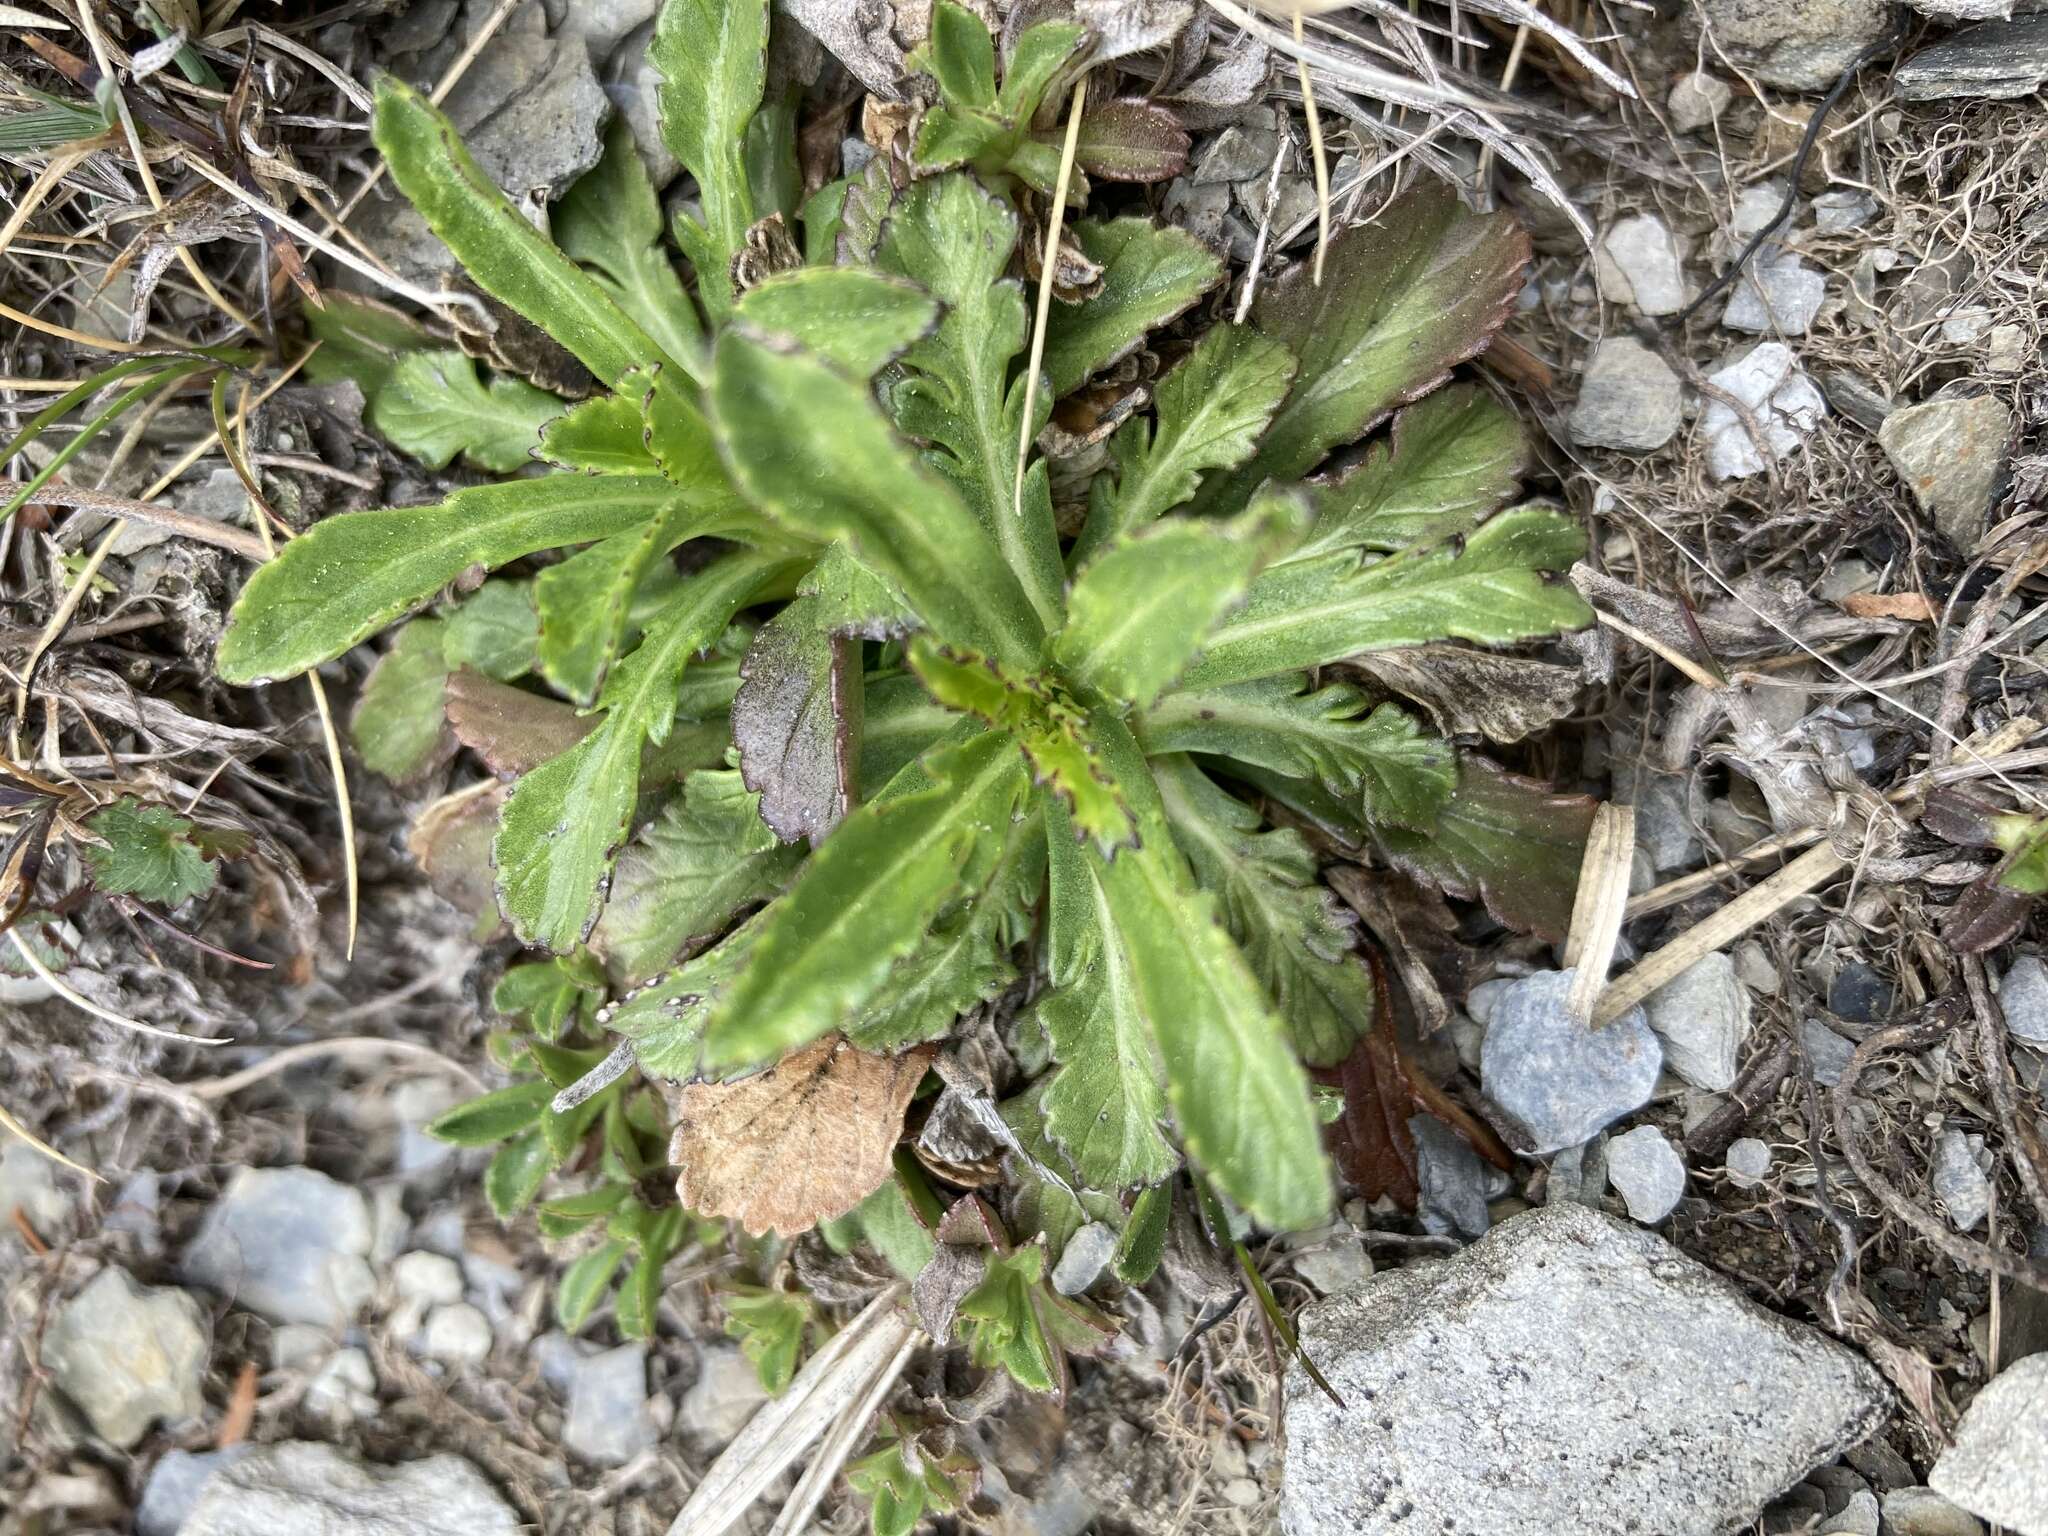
(1998, 60)
(1567, 1373)
(299, 1487)
(1998, 1466)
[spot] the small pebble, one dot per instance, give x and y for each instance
(1558, 1078)
(1647, 1173)
(344, 1389)
(1702, 1016)
(289, 1243)
(457, 1335)
(1960, 1182)
(1781, 295)
(1748, 1162)
(1923, 1512)
(2023, 999)
(1769, 383)
(608, 1422)
(1827, 1052)
(724, 1397)
(1083, 1260)
(1858, 1517)
(1456, 1182)
(1697, 100)
(1628, 399)
(1859, 994)
(1638, 262)
(128, 1355)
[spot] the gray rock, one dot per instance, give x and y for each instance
(427, 1279)
(1566, 1373)
(603, 24)
(1961, 1183)
(1827, 1051)
(1665, 821)
(1237, 154)
(344, 1389)
(128, 1355)
(1083, 1260)
(1781, 294)
(1968, 10)
(1698, 100)
(1480, 1001)
(1702, 1016)
(1578, 1173)
(1638, 263)
(1629, 399)
(1836, 213)
(175, 1484)
(1331, 1258)
(300, 1486)
(289, 1243)
(1998, 60)
(1856, 398)
(1770, 384)
(1858, 1517)
(1754, 966)
(2022, 998)
(1748, 1161)
(1802, 45)
(1860, 994)
(1456, 1182)
(608, 1422)
(1647, 1174)
(1923, 1512)
(723, 1397)
(1997, 1468)
(1950, 453)
(1557, 1078)
(39, 1188)
(457, 1335)
(634, 83)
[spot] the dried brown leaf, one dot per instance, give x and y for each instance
(801, 1143)
(513, 731)
(1911, 606)
(1477, 693)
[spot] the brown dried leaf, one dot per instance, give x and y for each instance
(1132, 140)
(1477, 693)
(801, 1143)
(451, 839)
(510, 729)
(1911, 606)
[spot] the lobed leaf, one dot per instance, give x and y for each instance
(584, 602)
(1150, 274)
(603, 435)
(713, 59)
(349, 576)
(1495, 587)
(493, 631)
(503, 253)
(147, 851)
(810, 445)
(796, 721)
(1402, 301)
(852, 317)
(433, 406)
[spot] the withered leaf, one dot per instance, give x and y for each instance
(451, 839)
(1471, 692)
(796, 722)
(801, 1143)
(513, 731)
(1132, 140)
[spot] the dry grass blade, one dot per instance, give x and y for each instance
(1598, 909)
(15, 1128)
(79, 1000)
(1054, 220)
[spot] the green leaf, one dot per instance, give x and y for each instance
(1449, 461)
(434, 407)
(1150, 273)
(1403, 300)
(494, 243)
(516, 1173)
(960, 55)
(770, 1327)
(493, 1117)
(610, 222)
(1143, 1243)
(862, 903)
(899, 721)
(1105, 1105)
(1287, 924)
(564, 822)
(2026, 865)
(664, 1018)
(713, 59)
(399, 725)
(774, 178)
(603, 435)
(547, 994)
(951, 136)
(585, 1282)
(1240, 1100)
(689, 873)
(1495, 587)
(1041, 52)
(851, 317)
(494, 630)
(1051, 729)
(1001, 1326)
(349, 576)
(809, 444)
(151, 853)
(1131, 140)
(954, 238)
(360, 339)
(584, 602)
(1212, 409)
(1143, 607)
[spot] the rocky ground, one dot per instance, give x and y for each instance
(1764, 1264)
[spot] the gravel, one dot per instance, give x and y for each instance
(1828, 1052)
(1923, 1512)
(1950, 453)
(299, 1486)
(1647, 1174)
(1748, 1161)
(1768, 381)
(608, 1422)
(1702, 1015)
(1638, 263)
(1961, 1183)
(1997, 1468)
(289, 1243)
(175, 1484)
(1083, 1260)
(2023, 999)
(1471, 1405)
(457, 1335)
(1778, 296)
(1456, 1182)
(1697, 101)
(1628, 398)
(128, 1355)
(1558, 1080)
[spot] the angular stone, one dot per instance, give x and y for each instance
(1456, 1182)
(1836, 213)
(1629, 399)
(1702, 1016)
(1568, 1372)
(1960, 1182)
(2023, 999)
(1923, 1512)
(1770, 384)
(1951, 454)
(608, 1421)
(1997, 1468)
(1237, 154)
(1802, 45)
(1638, 263)
(1997, 61)
(37, 1187)
(427, 1279)
(289, 1243)
(1083, 1260)
(298, 1486)
(727, 1391)
(128, 1355)
(1559, 1080)
(1647, 1174)
(1780, 295)
(1697, 101)
(457, 1335)
(1827, 1051)
(344, 1389)
(175, 1484)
